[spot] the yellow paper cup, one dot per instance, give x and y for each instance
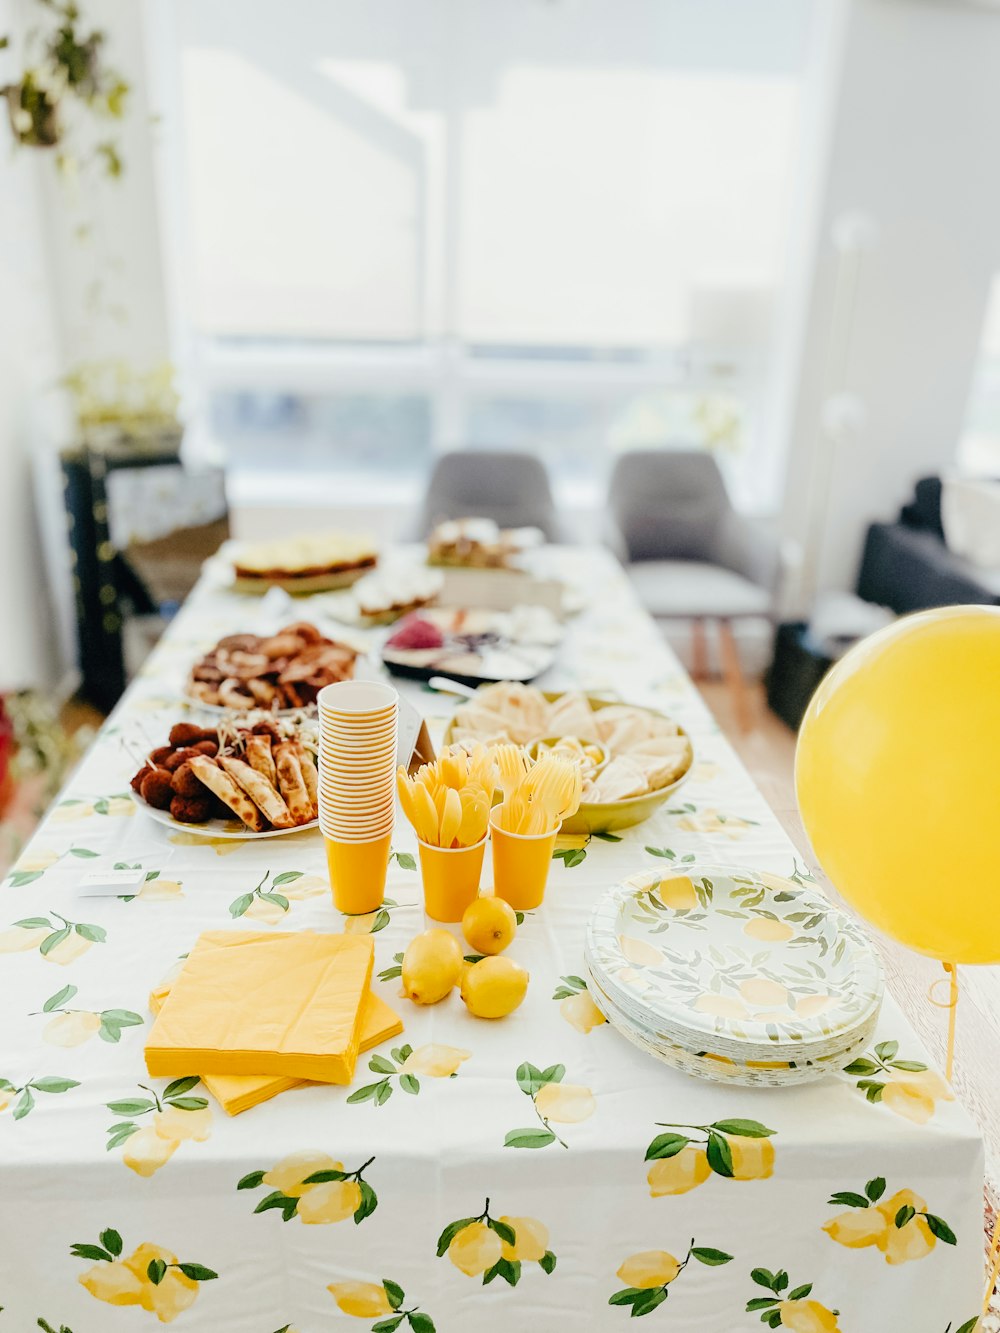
(520, 865)
(451, 878)
(357, 873)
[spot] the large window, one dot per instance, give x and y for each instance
(414, 224)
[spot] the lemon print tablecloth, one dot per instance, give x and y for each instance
(538, 1172)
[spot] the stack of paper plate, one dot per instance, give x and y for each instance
(734, 974)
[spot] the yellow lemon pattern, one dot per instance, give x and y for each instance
(151, 1276)
(22, 1098)
(315, 1188)
(788, 1306)
(371, 1300)
(576, 1006)
(153, 1125)
(401, 1067)
(554, 1102)
(73, 1027)
(686, 1155)
(899, 1226)
(56, 938)
(496, 1247)
(649, 1274)
(906, 1087)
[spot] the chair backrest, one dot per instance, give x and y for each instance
(668, 504)
(511, 488)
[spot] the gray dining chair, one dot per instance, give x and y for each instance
(690, 555)
(511, 488)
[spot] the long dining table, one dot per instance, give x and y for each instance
(127, 1202)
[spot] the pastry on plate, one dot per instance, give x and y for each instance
(306, 564)
(280, 672)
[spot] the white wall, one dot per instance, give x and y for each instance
(908, 133)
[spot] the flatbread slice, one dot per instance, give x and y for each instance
(290, 780)
(264, 796)
(259, 756)
(217, 780)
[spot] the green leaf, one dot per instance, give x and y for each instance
(123, 1018)
(395, 1293)
(198, 1272)
(366, 1093)
(504, 1231)
(239, 905)
(780, 1280)
(83, 852)
(554, 1074)
(368, 1204)
(969, 1326)
(287, 877)
(96, 934)
(665, 1145)
(278, 899)
(547, 1263)
(875, 1188)
(33, 923)
(409, 1084)
(665, 852)
(117, 1134)
(606, 837)
(251, 1181)
(450, 1232)
(719, 1154)
(156, 1271)
(50, 941)
(91, 1252)
(906, 1214)
(529, 1078)
(570, 856)
(746, 1129)
(713, 1258)
(189, 1103)
(761, 1303)
(406, 861)
(773, 1320)
(181, 1085)
(276, 1199)
(324, 1177)
(650, 1300)
(401, 1053)
(383, 1092)
(53, 1084)
(627, 1296)
(387, 1325)
(423, 1323)
(848, 1199)
(800, 1293)
(60, 997)
(380, 1065)
(763, 1277)
(529, 1138)
(509, 1270)
(380, 922)
(111, 1241)
(887, 1050)
(940, 1228)
(910, 1067)
(19, 878)
(131, 1106)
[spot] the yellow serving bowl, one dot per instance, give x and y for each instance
(610, 816)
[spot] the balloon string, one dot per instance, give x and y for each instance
(951, 1004)
(994, 1264)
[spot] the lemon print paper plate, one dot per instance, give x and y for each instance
(735, 965)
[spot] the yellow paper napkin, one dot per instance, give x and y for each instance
(255, 1003)
(238, 1092)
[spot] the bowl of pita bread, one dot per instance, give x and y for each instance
(645, 755)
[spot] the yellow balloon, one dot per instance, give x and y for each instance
(897, 774)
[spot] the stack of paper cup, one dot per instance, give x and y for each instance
(358, 721)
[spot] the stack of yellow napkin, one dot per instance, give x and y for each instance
(259, 1012)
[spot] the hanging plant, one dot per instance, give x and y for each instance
(65, 73)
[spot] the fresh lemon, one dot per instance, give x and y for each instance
(678, 893)
(332, 1201)
(67, 950)
(474, 1249)
(71, 1029)
(435, 1061)
(432, 964)
(180, 1125)
(753, 1159)
(531, 1239)
(581, 1012)
(113, 1283)
(489, 924)
(650, 1268)
(288, 1175)
(494, 987)
(758, 990)
(684, 1171)
(639, 952)
(367, 1300)
(19, 939)
(807, 1317)
(856, 1228)
(766, 928)
(160, 890)
(146, 1151)
(565, 1103)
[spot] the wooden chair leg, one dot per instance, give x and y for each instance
(699, 650)
(733, 673)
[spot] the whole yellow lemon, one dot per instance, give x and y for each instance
(489, 924)
(71, 1029)
(432, 964)
(531, 1239)
(566, 1103)
(650, 1268)
(494, 987)
(807, 1317)
(684, 1171)
(474, 1249)
(367, 1300)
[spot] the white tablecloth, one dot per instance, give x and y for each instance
(437, 1154)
